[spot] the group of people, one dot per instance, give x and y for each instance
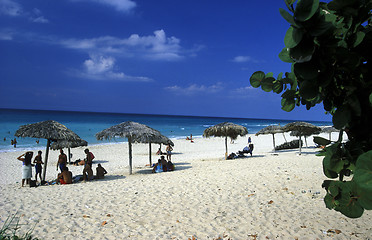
(163, 165)
(246, 150)
(168, 152)
(65, 176)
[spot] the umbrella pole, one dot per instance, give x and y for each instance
(69, 155)
(46, 159)
(226, 147)
(130, 155)
(299, 143)
(274, 142)
(150, 154)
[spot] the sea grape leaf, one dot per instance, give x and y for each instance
(288, 104)
(359, 38)
(341, 117)
(287, 16)
(306, 70)
(348, 203)
(340, 4)
(284, 55)
(370, 99)
(363, 179)
(321, 141)
(269, 74)
(293, 37)
(267, 84)
(257, 78)
(278, 86)
(308, 90)
(305, 9)
(303, 52)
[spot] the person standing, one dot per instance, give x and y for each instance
(249, 140)
(26, 167)
(62, 160)
(38, 161)
(169, 150)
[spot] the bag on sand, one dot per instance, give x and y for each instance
(33, 183)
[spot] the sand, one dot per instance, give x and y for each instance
(265, 196)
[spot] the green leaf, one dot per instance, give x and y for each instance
(269, 74)
(309, 90)
(267, 84)
(280, 76)
(288, 104)
(293, 37)
(257, 78)
(284, 55)
(305, 9)
(348, 202)
(342, 117)
(306, 70)
(278, 86)
(323, 25)
(321, 141)
(303, 52)
(359, 38)
(370, 99)
(340, 4)
(287, 16)
(363, 179)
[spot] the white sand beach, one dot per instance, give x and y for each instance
(265, 196)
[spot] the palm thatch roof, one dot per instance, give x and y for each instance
(226, 129)
(60, 144)
(272, 129)
(303, 128)
(49, 129)
(136, 133)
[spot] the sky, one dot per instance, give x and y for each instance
(168, 57)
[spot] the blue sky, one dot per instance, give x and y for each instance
(135, 56)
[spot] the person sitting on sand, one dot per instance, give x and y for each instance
(65, 177)
(87, 172)
(170, 166)
(38, 168)
(62, 160)
(100, 172)
(159, 167)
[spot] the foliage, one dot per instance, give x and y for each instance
(289, 145)
(329, 46)
(9, 230)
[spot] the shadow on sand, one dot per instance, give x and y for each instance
(178, 167)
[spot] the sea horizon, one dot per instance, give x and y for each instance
(86, 124)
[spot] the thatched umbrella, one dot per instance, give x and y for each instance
(60, 144)
(329, 130)
(50, 130)
(226, 129)
(271, 130)
(135, 133)
(302, 129)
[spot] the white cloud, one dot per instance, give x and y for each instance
(103, 68)
(38, 17)
(241, 59)
(119, 5)
(10, 8)
(6, 36)
(195, 89)
(152, 47)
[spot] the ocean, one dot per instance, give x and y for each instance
(87, 124)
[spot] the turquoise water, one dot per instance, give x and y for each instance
(87, 124)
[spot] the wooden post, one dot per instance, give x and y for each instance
(150, 154)
(273, 141)
(69, 155)
(46, 159)
(300, 144)
(226, 148)
(130, 154)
